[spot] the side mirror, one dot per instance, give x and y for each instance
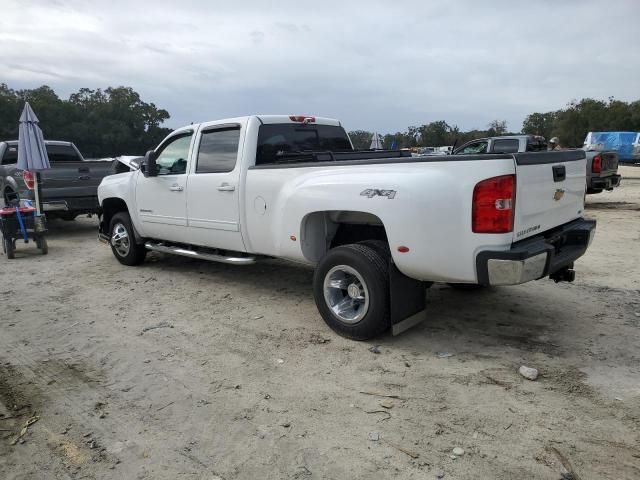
(148, 166)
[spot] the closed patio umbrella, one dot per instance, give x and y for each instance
(376, 142)
(32, 152)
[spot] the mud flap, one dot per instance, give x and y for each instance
(408, 300)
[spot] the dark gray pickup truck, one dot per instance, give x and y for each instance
(602, 167)
(69, 188)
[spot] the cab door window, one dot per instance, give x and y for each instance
(173, 156)
(474, 148)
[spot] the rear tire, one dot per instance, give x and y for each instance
(379, 246)
(8, 248)
(4, 199)
(67, 216)
(351, 290)
(123, 241)
(42, 245)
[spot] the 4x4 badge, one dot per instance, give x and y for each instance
(375, 192)
(558, 195)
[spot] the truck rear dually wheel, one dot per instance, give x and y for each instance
(123, 241)
(351, 290)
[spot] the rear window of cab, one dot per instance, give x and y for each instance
(277, 141)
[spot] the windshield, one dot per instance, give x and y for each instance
(278, 140)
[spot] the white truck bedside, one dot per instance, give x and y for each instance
(379, 226)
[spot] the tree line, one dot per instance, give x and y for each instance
(116, 121)
(102, 123)
(570, 124)
(434, 134)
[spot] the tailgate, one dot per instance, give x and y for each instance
(74, 179)
(550, 190)
(609, 163)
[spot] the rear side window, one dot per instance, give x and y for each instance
(277, 142)
(218, 150)
(10, 155)
(62, 153)
(536, 144)
(507, 145)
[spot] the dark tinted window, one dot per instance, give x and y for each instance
(536, 144)
(10, 155)
(277, 140)
(506, 145)
(218, 150)
(62, 153)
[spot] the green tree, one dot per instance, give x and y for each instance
(540, 124)
(9, 112)
(435, 134)
(109, 122)
(398, 139)
(497, 128)
(361, 139)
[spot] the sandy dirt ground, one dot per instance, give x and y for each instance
(241, 379)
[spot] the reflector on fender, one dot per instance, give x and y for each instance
(494, 205)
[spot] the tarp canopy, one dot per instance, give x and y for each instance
(621, 142)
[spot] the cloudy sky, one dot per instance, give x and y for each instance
(377, 65)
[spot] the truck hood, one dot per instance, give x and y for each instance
(131, 161)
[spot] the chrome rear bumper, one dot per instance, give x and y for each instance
(537, 257)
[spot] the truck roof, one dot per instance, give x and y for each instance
(508, 137)
(268, 119)
(46, 142)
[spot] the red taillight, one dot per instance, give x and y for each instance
(29, 179)
(596, 164)
(494, 201)
(302, 118)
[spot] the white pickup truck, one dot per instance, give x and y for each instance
(379, 226)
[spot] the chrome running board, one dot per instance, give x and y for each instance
(159, 247)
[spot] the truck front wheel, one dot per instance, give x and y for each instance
(123, 241)
(351, 290)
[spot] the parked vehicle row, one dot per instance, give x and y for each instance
(379, 226)
(601, 166)
(69, 188)
(625, 144)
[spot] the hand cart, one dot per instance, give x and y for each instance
(21, 223)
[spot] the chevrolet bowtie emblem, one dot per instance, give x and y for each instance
(558, 195)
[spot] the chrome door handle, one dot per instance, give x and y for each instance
(176, 188)
(225, 187)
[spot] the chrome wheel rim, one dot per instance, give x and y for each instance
(346, 294)
(120, 240)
